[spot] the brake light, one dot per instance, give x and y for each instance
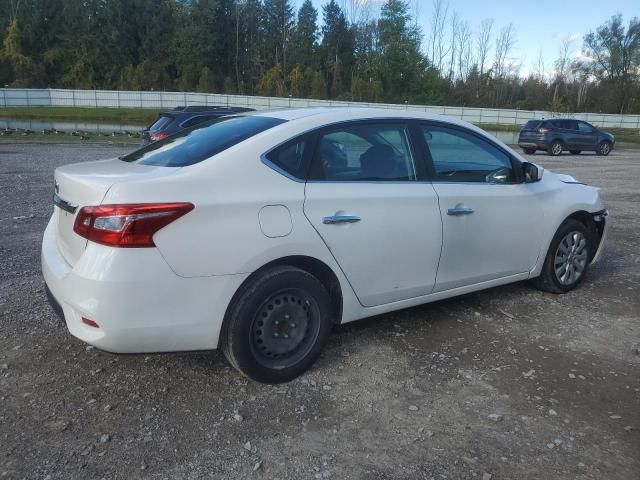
(544, 130)
(127, 225)
(158, 136)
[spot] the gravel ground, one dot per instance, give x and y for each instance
(505, 383)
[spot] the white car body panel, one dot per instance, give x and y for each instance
(400, 223)
(495, 241)
(405, 251)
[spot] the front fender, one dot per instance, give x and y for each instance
(561, 197)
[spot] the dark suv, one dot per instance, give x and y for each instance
(560, 134)
(184, 117)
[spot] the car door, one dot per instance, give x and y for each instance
(491, 222)
(571, 134)
(367, 198)
(588, 136)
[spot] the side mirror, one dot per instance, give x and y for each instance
(532, 172)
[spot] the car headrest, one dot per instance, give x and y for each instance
(378, 162)
(332, 157)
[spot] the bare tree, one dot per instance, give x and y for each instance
(483, 43)
(540, 67)
(464, 50)
(437, 49)
(505, 42)
(453, 45)
(357, 11)
(562, 69)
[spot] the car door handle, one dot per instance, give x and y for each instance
(336, 219)
(460, 211)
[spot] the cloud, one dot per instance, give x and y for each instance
(574, 36)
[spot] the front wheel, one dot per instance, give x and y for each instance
(555, 148)
(567, 260)
(277, 325)
(604, 148)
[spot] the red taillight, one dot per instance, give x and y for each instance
(544, 130)
(158, 136)
(89, 322)
(127, 225)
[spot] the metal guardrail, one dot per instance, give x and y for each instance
(16, 97)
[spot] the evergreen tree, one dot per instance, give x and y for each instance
(277, 28)
(338, 41)
(304, 39)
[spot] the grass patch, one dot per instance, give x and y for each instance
(86, 139)
(101, 114)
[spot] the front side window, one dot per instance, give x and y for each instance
(367, 152)
(458, 156)
(202, 141)
(585, 127)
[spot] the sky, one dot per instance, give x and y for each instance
(540, 25)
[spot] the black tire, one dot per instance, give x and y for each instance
(555, 148)
(549, 280)
(604, 148)
(529, 151)
(277, 325)
(575, 152)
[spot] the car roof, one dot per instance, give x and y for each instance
(328, 115)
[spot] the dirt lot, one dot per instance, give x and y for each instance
(505, 383)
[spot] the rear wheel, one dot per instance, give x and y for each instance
(555, 148)
(277, 325)
(604, 148)
(567, 260)
(575, 152)
(529, 151)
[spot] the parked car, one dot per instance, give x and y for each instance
(257, 233)
(561, 134)
(180, 118)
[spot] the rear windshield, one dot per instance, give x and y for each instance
(161, 122)
(202, 141)
(532, 124)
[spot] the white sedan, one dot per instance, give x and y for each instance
(257, 233)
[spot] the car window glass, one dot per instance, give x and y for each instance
(161, 122)
(462, 157)
(585, 127)
(289, 158)
(196, 120)
(369, 152)
(201, 141)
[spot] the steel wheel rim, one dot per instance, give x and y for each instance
(556, 149)
(605, 148)
(285, 328)
(571, 258)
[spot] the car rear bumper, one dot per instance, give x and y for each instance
(138, 302)
(532, 144)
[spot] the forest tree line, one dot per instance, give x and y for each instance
(346, 50)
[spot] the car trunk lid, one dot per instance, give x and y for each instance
(83, 184)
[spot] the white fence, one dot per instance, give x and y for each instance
(13, 97)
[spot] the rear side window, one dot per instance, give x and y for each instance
(202, 141)
(290, 158)
(196, 120)
(161, 122)
(368, 152)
